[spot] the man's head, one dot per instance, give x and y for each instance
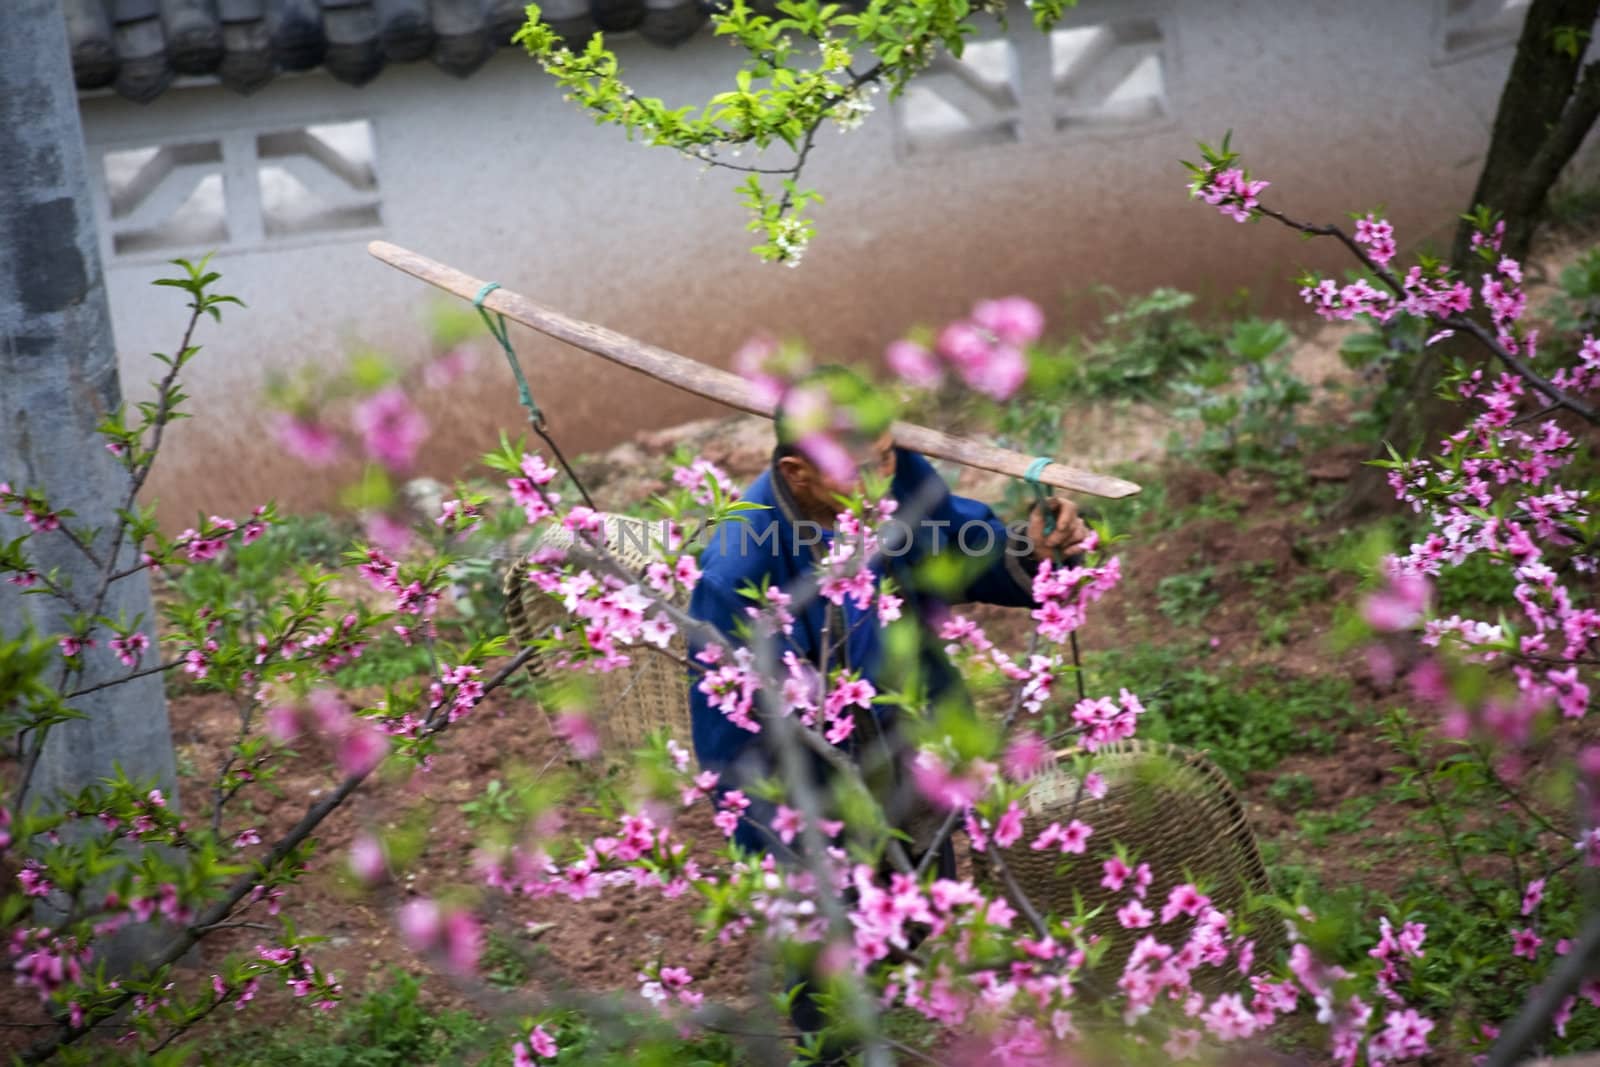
(833, 432)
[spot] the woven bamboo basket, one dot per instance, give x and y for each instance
(652, 692)
(1172, 808)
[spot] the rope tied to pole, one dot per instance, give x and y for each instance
(495, 322)
(496, 325)
(1040, 492)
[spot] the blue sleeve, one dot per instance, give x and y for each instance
(1005, 579)
(1000, 572)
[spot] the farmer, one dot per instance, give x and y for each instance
(779, 545)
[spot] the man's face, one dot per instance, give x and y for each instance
(818, 494)
(873, 459)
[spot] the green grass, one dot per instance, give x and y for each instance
(634, 1042)
(386, 1028)
(387, 661)
(1187, 598)
(1260, 575)
(1292, 791)
(1357, 550)
(1477, 588)
(1348, 818)
(1275, 628)
(1246, 720)
(496, 804)
(503, 966)
(1214, 506)
(1307, 589)
(392, 1028)
(1148, 341)
(1141, 511)
(319, 537)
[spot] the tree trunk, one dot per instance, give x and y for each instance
(58, 379)
(1538, 88)
(1544, 112)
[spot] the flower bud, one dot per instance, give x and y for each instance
(367, 859)
(420, 923)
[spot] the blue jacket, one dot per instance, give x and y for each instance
(772, 551)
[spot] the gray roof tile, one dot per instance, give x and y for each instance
(139, 46)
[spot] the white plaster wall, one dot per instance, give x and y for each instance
(1343, 104)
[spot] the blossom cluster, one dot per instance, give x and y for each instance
(1494, 491)
(695, 475)
(1499, 490)
(609, 612)
(359, 743)
(1231, 191)
(390, 427)
(986, 350)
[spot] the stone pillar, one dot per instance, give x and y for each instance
(58, 379)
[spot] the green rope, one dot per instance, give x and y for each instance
(502, 333)
(498, 329)
(1041, 494)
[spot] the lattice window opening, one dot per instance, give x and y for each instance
(966, 102)
(1468, 27)
(241, 190)
(166, 196)
(316, 179)
(1110, 75)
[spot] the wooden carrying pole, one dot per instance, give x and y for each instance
(723, 386)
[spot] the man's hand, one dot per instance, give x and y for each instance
(1069, 534)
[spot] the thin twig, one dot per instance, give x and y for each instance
(797, 779)
(915, 1053)
(269, 928)
(1557, 398)
(949, 825)
(128, 572)
(157, 669)
(189, 1024)
(713, 161)
(82, 546)
(218, 912)
(163, 414)
(1020, 898)
(61, 592)
(1516, 798)
(1535, 416)
(220, 794)
(1436, 809)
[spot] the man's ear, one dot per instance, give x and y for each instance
(798, 473)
